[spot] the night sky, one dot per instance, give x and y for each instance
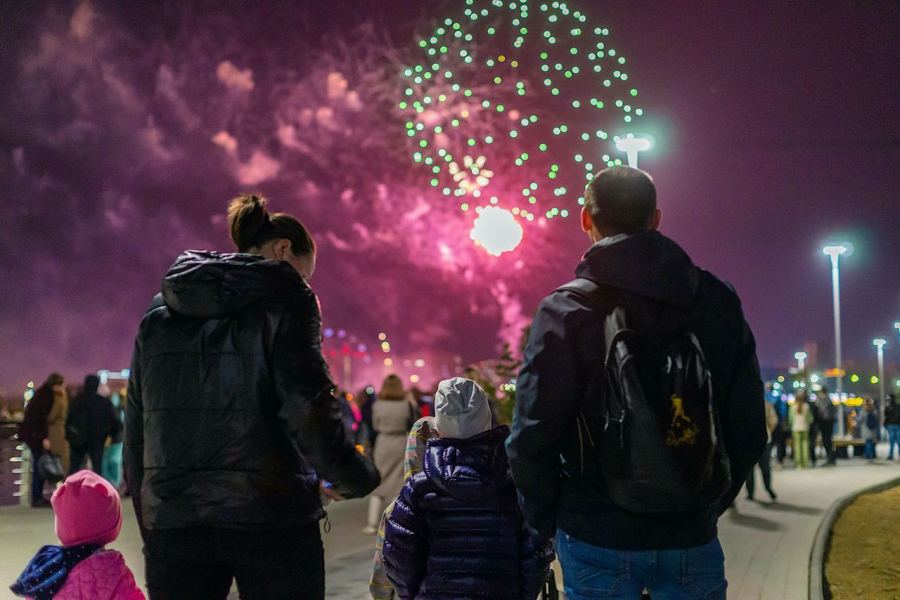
(124, 130)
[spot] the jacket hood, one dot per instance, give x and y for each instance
(647, 264)
(213, 285)
(474, 468)
(461, 408)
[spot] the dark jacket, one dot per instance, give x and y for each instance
(892, 413)
(96, 415)
(34, 428)
(456, 530)
(649, 275)
(230, 419)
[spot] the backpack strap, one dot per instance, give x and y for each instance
(583, 289)
(586, 291)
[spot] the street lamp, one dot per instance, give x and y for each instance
(897, 327)
(835, 251)
(880, 343)
(631, 146)
(800, 357)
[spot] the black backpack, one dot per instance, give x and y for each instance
(658, 439)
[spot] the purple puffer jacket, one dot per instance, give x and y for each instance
(456, 530)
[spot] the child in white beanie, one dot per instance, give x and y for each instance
(456, 530)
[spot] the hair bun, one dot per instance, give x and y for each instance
(247, 218)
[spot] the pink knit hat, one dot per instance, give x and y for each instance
(88, 510)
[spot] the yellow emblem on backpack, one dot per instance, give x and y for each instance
(682, 431)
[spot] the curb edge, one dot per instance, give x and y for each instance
(823, 535)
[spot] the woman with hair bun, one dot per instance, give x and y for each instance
(231, 423)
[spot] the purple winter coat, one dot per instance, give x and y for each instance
(456, 530)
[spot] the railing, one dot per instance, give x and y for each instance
(15, 466)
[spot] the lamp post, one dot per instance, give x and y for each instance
(835, 251)
(631, 146)
(800, 357)
(880, 343)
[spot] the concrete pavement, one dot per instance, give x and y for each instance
(766, 544)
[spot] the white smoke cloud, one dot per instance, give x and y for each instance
(167, 88)
(226, 141)
(235, 77)
(259, 168)
(81, 23)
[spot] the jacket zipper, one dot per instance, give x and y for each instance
(580, 446)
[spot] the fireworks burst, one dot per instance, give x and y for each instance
(528, 92)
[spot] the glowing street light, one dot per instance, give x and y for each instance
(631, 146)
(800, 357)
(880, 343)
(835, 251)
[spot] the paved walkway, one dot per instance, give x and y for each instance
(766, 544)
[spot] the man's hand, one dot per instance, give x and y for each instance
(329, 493)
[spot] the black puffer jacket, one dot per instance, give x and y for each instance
(230, 419)
(651, 276)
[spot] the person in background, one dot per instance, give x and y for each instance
(869, 426)
(88, 517)
(90, 421)
(423, 430)
(392, 417)
(892, 423)
(812, 405)
(853, 423)
(56, 426)
(112, 454)
(367, 399)
(457, 531)
(765, 458)
(783, 432)
(826, 415)
(800, 420)
(361, 428)
(34, 431)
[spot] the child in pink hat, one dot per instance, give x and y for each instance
(88, 516)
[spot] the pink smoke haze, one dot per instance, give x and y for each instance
(126, 127)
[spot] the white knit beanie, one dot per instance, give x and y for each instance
(461, 409)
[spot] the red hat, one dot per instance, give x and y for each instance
(88, 510)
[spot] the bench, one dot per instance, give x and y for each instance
(842, 447)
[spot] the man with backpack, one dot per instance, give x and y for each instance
(639, 408)
(91, 420)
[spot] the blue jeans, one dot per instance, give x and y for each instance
(683, 574)
(869, 449)
(894, 437)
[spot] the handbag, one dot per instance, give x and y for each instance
(50, 467)
(549, 591)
